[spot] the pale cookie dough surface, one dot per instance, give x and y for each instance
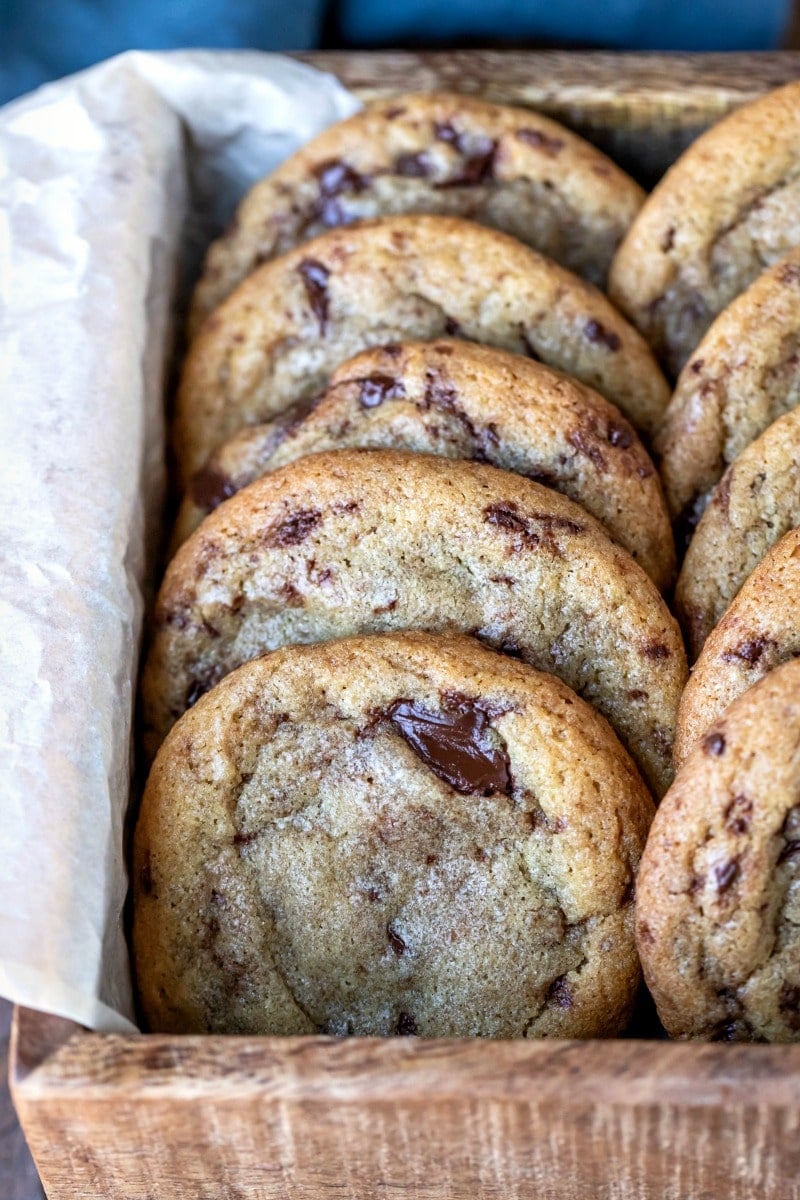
(760, 630)
(755, 503)
(460, 400)
(282, 333)
(368, 541)
(744, 374)
(389, 835)
(728, 209)
(505, 167)
(718, 891)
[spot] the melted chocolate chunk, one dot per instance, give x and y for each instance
(446, 132)
(406, 1025)
(598, 334)
(315, 277)
(397, 943)
(454, 743)
(210, 487)
(294, 528)
(477, 167)
(750, 652)
(541, 141)
(714, 744)
(727, 874)
(335, 176)
(737, 814)
(623, 438)
(452, 327)
(413, 166)
(377, 388)
(581, 441)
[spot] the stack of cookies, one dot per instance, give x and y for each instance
(412, 684)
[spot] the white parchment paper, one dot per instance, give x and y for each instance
(109, 182)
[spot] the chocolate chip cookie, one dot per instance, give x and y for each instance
(284, 331)
(461, 400)
(389, 835)
(755, 503)
(367, 541)
(759, 630)
(718, 923)
(434, 153)
(728, 208)
(744, 374)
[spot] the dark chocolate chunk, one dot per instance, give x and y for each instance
(335, 177)
(750, 652)
(541, 141)
(726, 874)
(454, 742)
(210, 487)
(397, 943)
(581, 440)
(789, 1004)
(406, 1025)
(477, 167)
(294, 528)
(618, 436)
(714, 743)
(315, 277)
(656, 651)
(559, 993)
(413, 166)
(446, 132)
(598, 333)
(737, 814)
(377, 388)
(452, 327)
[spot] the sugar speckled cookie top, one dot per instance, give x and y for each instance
(461, 400)
(397, 835)
(282, 333)
(728, 208)
(744, 374)
(760, 630)
(755, 503)
(368, 541)
(718, 892)
(508, 168)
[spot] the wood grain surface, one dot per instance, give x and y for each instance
(163, 1117)
(18, 1177)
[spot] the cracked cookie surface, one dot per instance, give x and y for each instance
(724, 212)
(278, 338)
(744, 374)
(718, 891)
(758, 631)
(389, 835)
(755, 503)
(350, 541)
(457, 399)
(508, 168)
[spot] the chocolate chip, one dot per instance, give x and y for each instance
(395, 111)
(697, 366)
(789, 1005)
(244, 839)
(714, 743)
(200, 686)
(726, 874)
(668, 240)
(335, 176)
(620, 437)
(560, 993)
(291, 597)
(315, 277)
(446, 132)
(413, 166)
(209, 487)
(477, 166)
(406, 1025)
(454, 742)
(550, 146)
(751, 651)
(530, 349)
(377, 388)
(397, 943)
(582, 442)
(637, 694)
(598, 334)
(294, 528)
(737, 814)
(452, 327)
(656, 651)
(789, 273)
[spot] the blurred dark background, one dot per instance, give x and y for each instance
(44, 39)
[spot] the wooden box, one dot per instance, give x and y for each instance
(166, 1118)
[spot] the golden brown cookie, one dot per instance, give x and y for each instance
(460, 400)
(755, 503)
(760, 629)
(369, 541)
(389, 835)
(726, 210)
(456, 155)
(718, 891)
(744, 374)
(279, 337)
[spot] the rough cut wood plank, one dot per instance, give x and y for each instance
(642, 109)
(154, 1117)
